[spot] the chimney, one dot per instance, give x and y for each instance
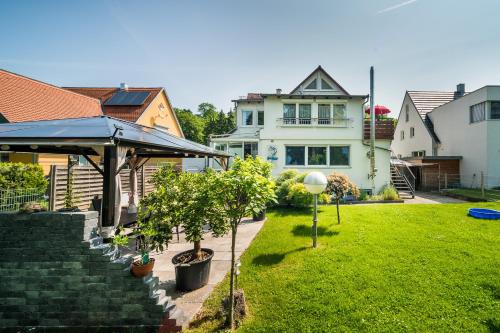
(123, 86)
(278, 91)
(460, 91)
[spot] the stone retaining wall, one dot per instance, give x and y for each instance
(55, 273)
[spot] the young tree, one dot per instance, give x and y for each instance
(338, 186)
(244, 189)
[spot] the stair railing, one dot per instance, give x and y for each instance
(404, 171)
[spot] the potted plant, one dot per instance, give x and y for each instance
(188, 200)
(196, 207)
(144, 265)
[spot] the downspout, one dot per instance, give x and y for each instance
(372, 130)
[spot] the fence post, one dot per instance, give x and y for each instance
(143, 181)
(445, 180)
(52, 188)
(482, 184)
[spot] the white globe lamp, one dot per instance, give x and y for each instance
(315, 183)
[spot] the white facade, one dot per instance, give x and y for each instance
(478, 140)
(411, 137)
(309, 129)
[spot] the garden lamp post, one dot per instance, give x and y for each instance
(315, 182)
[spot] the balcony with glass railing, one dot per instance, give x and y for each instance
(313, 122)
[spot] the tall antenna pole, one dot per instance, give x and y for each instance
(372, 130)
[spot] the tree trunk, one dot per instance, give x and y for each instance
(338, 212)
(197, 250)
(231, 283)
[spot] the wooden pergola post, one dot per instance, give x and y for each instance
(109, 186)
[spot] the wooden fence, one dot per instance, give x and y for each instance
(384, 129)
(87, 183)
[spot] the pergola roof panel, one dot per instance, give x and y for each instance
(103, 130)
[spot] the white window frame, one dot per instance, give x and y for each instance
(340, 165)
(243, 119)
(305, 156)
(407, 113)
(402, 135)
(412, 132)
(489, 110)
(317, 146)
(323, 166)
(263, 118)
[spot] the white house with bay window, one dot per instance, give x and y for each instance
(318, 126)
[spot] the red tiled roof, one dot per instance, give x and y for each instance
(25, 99)
(254, 96)
(126, 112)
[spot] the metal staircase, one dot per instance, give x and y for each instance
(402, 178)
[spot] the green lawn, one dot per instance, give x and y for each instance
(386, 268)
(491, 195)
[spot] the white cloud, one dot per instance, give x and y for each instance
(388, 9)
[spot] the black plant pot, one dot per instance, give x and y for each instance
(260, 216)
(192, 276)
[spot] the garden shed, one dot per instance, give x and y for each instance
(116, 143)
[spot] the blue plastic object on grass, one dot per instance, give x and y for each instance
(482, 213)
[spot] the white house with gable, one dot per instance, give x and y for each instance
(317, 126)
(439, 127)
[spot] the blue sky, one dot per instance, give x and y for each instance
(218, 50)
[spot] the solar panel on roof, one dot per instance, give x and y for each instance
(127, 98)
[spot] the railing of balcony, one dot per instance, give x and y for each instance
(313, 122)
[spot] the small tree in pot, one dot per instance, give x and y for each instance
(244, 190)
(339, 185)
(198, 206)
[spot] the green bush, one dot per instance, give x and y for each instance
(363, 196)
(286, 175)
(389, 193)
(291, 191)
(22, 176)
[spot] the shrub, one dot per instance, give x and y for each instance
(299, 196)
(363, 196)
(339, 185)
(22, 176)
(389, 193)
(290, 190)
(286, 175)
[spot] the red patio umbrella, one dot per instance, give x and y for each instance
(379, 110)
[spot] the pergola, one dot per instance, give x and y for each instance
(119, 143)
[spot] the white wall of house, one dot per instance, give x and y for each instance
(421, 140)
(478, 143)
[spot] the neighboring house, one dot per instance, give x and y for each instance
(456, 134)
(317, 126)
(144, 106)
(26, 99)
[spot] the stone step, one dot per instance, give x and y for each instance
(167, 305)
(179, 317)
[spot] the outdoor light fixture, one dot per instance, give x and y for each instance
(315, 182)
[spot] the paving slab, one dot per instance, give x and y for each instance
(431, 198)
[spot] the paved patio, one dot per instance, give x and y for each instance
(191, 302)
(431, 198)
